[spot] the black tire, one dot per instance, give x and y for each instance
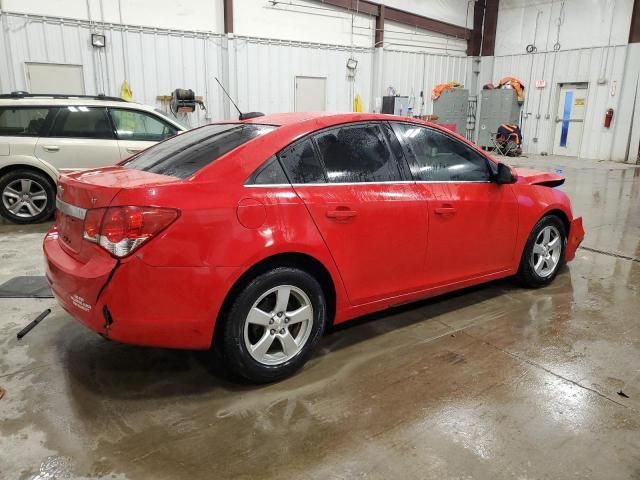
(42, 181)
(231, 343)
(527, 276)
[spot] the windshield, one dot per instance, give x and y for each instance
(183, 155)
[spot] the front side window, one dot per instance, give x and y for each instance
(82, 122)
(142, 126)
(183, 155)
(435, 156)
(22, 122)
(357, 153)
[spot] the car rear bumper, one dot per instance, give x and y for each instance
(576, 235)
(135, 303)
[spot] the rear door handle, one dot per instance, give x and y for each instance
(341, 213)
(51, 148)
(446, 210)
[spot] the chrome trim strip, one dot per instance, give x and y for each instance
(71, 210)
(287, 185)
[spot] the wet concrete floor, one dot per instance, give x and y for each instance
(492, 382)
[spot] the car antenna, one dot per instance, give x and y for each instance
(242, 116)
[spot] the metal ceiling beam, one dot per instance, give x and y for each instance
(401, 16)
(227, 8)
(634, 31)
(490, 27)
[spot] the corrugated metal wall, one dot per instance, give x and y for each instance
(616, 66)
(410, 73)
(266, 71)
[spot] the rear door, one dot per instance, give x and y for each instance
(79, 138)
(370, 215)
(473, 221)
(137, 130)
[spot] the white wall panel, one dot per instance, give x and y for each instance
(410, 73)
(457, 12)
(584, 65)
(265, 73)
(584, 24)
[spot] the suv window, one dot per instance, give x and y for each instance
(183, 155)
(136, 125)
(357, 153)
(82, 122)
(21, 121)
(301, 163)
(435, 156)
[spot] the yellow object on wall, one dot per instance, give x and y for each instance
(357, 104)
(125, 91)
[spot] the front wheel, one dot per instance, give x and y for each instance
(543, 253)
(273, 325)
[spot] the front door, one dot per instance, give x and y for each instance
(473, 221)
(572, 104)
(372, 220)
(80, 138)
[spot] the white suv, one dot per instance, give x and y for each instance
(42, 136)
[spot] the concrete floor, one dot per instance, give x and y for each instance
(492, 382)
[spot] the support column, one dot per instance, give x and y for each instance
(378, 62)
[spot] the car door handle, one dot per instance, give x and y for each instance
(341, 213)
(446, 210)
(51, 148)
(134, 149)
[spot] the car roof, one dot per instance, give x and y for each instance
(49, 100)
(282, 119)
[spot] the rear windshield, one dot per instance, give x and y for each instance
(185, 154)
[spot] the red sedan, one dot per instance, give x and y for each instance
(255, 236)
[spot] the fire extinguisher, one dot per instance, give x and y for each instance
(608, 117)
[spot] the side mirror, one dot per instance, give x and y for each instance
(504, 175)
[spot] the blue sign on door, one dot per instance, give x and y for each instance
(566, 115)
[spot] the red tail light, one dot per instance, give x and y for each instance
(121, 230)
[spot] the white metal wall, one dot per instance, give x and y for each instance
(613, 66)
(266, 69)
(410, 73)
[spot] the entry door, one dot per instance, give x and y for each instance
(55, 78)
(572, 104)
(473, 221)
(311, 94)
(373, 223)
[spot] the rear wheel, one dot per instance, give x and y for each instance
(26, 196)
(544, 252)
(273, 325)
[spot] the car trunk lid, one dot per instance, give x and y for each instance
(81, 191)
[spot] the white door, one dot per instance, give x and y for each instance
(55, 78)
(572, 104)
(80, 138)
(311, 94)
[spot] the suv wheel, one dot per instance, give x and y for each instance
(26, 196)
(273, 325)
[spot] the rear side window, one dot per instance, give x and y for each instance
(270, 173)
(82, 122)
(301, 163)
(435, 156)
(22, 122)
(357, 154)
(142, 126)
(185, 154)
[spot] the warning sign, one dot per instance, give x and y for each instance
(579, 102)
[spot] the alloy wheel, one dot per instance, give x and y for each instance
(278, 325)
(24, 198)
(546, 252)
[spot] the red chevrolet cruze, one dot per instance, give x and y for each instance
(254, 236)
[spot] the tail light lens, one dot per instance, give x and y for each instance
(121, 230)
